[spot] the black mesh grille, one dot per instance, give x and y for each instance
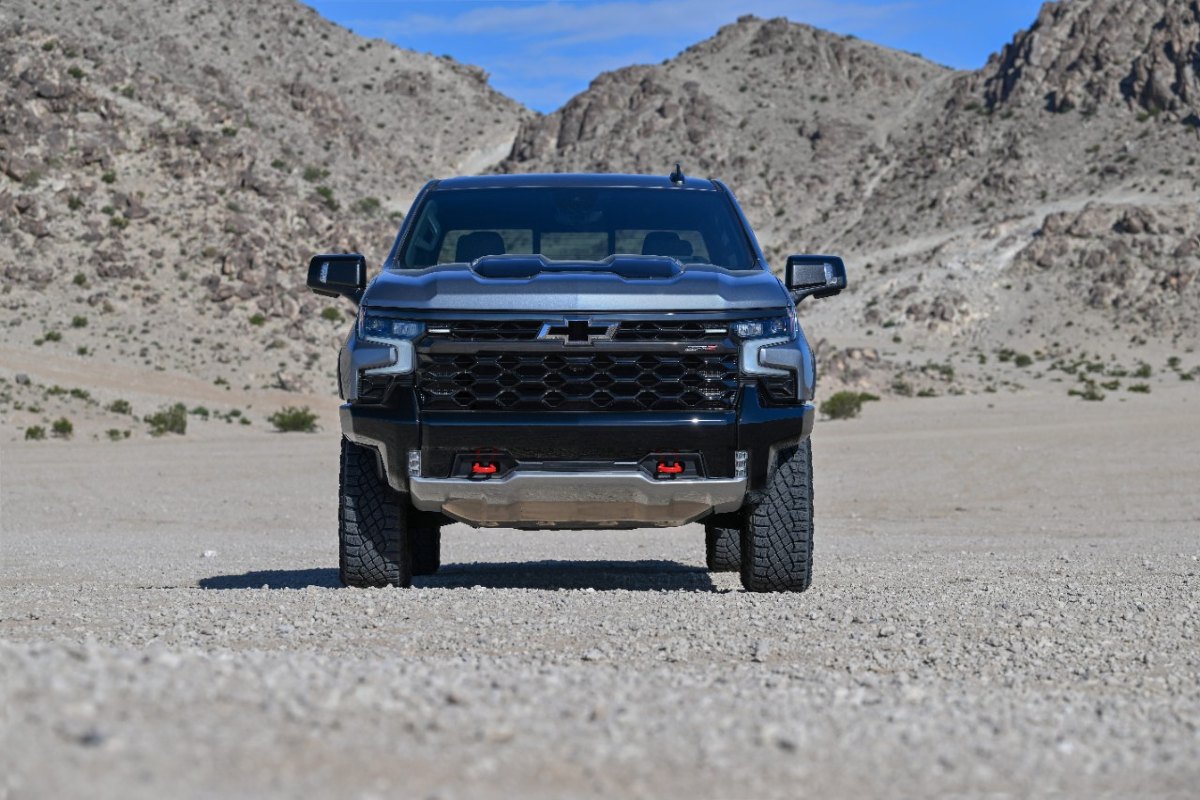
(780, 389)
(527, 331)
(374, 388)
(670, 331)
(577, 382)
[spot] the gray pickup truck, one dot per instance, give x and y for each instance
(578, 352)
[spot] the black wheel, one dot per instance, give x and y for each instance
(777, 536)
(372, 535)
(723, 542)
(425, 543)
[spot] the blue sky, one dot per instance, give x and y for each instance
(542, 52)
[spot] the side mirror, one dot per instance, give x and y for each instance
(338, 274)
(815, 276)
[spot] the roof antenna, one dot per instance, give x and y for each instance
(677, 175)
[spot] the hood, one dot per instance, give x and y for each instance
(618, 283)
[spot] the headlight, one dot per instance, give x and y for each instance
(768, 328)
(388, 329)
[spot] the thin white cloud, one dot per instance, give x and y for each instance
(569, 23)
(560, 66)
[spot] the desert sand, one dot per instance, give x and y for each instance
(1004, 602)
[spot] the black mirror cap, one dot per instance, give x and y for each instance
(338, 275)
(815, 276)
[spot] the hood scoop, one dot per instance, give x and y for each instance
(626, 267)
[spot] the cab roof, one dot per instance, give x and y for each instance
(578, 179)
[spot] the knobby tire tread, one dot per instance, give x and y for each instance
(372, 536)
(777, 537)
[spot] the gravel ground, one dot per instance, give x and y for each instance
(1005, 603)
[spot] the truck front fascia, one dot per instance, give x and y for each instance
(603, 448)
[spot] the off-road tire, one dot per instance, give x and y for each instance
(723, 543)
(777, 535)
(372, 536)
(425, 543)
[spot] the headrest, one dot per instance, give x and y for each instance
(665, 243)
(477, 245)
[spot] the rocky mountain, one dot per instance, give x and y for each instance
(167, 168)
(1049, 200)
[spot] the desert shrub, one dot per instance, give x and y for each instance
(80, 279)
(199, 411)
(78, 321)
(1090, 391)
(292, 419)
(946, 371)
(1143, 370)
(1140, 388)
(314, 174)
(62, 428)
(330, 313)
(257, 319)
(114, 435)
(368, 205)
(120, 407)
(35, 433)
(53, 336)
(927, 393)
(326, 195)
(1022, 360)
(172, 419)
(843, 405)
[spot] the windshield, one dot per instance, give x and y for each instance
(576, 224)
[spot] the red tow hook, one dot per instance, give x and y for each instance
(674, 468)
(483, 469)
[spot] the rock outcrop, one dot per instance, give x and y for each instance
(1141, 54)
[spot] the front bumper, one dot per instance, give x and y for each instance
(609, 499)
(610, 493)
